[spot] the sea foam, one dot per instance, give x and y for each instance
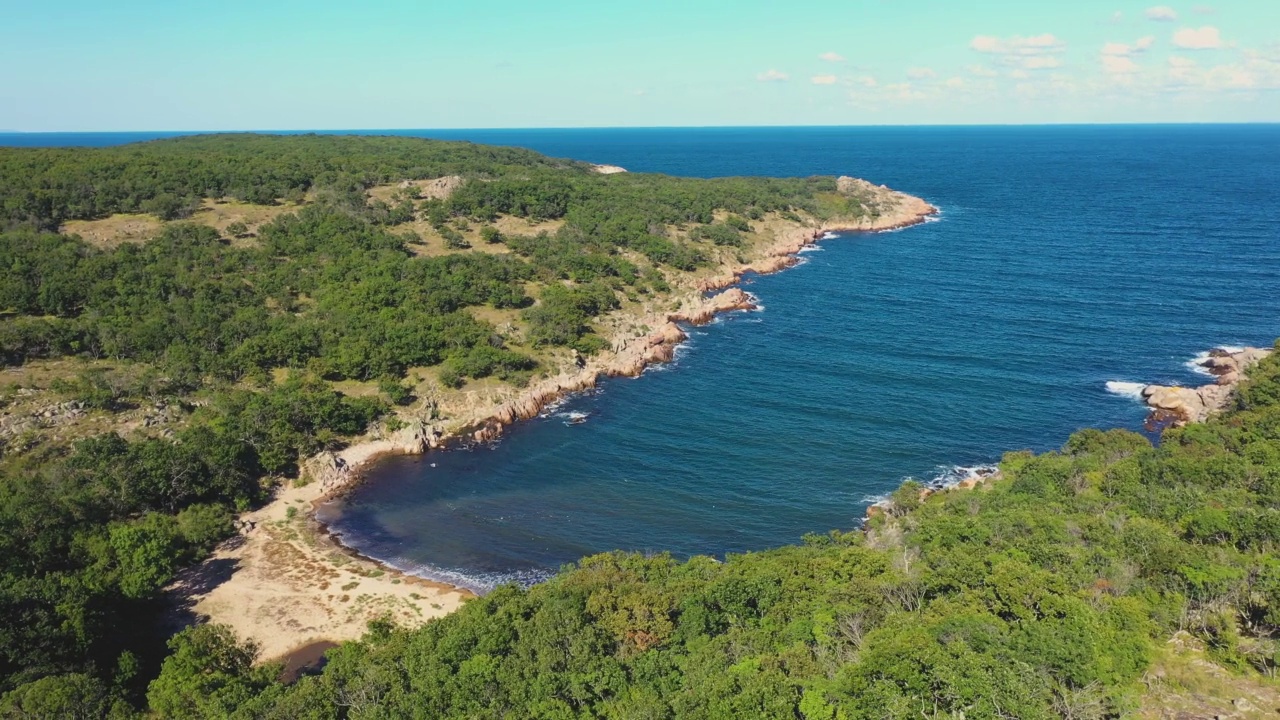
(1125, 389)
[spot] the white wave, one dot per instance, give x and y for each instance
(827, 236)
(574, 417)
(952, 475)
(812, 248)
(933, 218)
(1197, 363)
(553, 407)
(946, 476)
(479, 583)
(1125, 389)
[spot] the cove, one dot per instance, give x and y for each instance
(1065, 258)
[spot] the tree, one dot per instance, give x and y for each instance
(147, 553)
(208, 674)
(74, 696)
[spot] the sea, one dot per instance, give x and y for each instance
(1068, 265)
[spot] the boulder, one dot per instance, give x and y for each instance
(669, 334)
(1180, 405)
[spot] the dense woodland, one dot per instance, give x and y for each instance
(1045, 596)
(335, 287)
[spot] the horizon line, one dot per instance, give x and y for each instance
(644, 127)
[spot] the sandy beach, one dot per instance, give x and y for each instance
(286, 584)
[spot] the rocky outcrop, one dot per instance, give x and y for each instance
(1176, 405)
(50, 416)
(608, 169)
(338, 471)
(1229, 366)
(727, 301)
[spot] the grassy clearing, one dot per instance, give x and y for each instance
(1184, 683)
(115, 230)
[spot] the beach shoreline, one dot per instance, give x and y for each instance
(263, 601)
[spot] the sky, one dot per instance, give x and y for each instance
(88, 65)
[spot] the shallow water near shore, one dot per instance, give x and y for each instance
(1065, 259)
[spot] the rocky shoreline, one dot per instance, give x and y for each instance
(1174, 406)
(267, 599)
(1171, 406)
(629, 355)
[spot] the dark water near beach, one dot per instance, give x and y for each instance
(1065, 258)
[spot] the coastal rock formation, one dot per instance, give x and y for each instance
(662, 343)
(335, 472)
(608, 169)
(1228, 366)
(727, 301)
(1181, 405)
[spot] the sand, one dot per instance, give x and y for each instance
(284, 584)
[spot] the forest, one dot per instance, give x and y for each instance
(1047, 594)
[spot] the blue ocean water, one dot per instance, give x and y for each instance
(1065, 258)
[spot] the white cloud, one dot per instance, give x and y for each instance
(1018, 45)
(981, 71)
(823, 80)
(1162, 13)
(920, 73)
(1118, 64)
(955, 82)
(1141, 45)
(831, 57)
(1205, 38)
(772, 76)
(1254, 71)
(1117, 17)
(1037, 52)
(867, 81)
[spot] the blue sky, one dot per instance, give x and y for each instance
(285, 64)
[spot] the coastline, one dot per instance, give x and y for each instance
(264, 601)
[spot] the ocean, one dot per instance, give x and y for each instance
(1067, 262)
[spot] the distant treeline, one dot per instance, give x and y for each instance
(44, 187)
(334, 286)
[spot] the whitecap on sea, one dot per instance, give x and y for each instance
(1125, 389)
(947, 476)
(479, 582)
(1196, 364)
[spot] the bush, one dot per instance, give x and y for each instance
(395, 390)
